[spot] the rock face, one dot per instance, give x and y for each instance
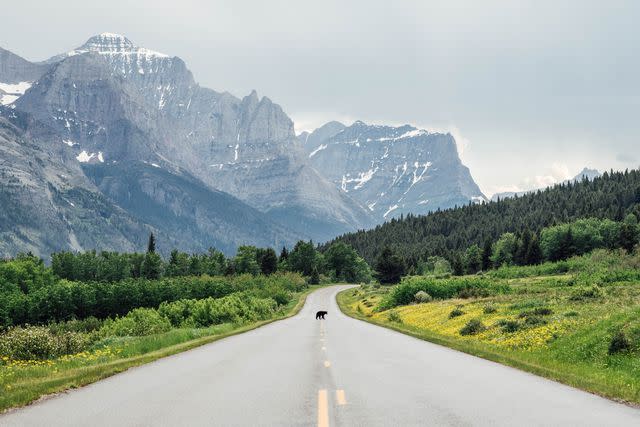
(16, 76)
(131, 121)
(392, 170)
(115, 101)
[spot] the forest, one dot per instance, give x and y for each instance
(450, 233)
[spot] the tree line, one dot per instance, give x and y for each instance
(467, 232)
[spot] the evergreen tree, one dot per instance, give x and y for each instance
(268, 261)
(473, 259)
(303, 258)
(284, 254)
(457, 265)
(151, 267)
(389, 267)
(486, 255)
(534, 252)
(151, 245)
(629, 233)
(567, 246)
(314, 279)
(523, 246)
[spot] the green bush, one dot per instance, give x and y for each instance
(489, 309)
(64, 300)
(422, 297)
(394, 317)
(235, 308)
(587, 293)
(509, 325)
(405, 292)
(619, 343)
(38, 343)
(456, 312)
(138, 322)
(473, 326)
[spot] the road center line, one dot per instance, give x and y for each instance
(323, 409)
(340, 397)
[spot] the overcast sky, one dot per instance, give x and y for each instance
(533, 90)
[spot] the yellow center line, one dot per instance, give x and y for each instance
(340, 397)
(327, 363)
(323, 409)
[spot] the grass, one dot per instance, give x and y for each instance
(24, 382)
(539, 327)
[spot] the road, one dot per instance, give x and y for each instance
(338, 372)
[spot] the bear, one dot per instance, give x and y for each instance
(320, 315)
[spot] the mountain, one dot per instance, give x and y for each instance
(131, 131)
(16, 76)
(585, 173)
(392, 170)
(448, 233)
(114, 101)
(46, 202)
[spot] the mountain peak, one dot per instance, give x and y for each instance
(108, 42)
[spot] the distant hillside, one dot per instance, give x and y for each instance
(586, 173)
(444, 232)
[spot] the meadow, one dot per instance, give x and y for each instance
(575, 321)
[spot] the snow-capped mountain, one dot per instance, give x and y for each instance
(114, 108)
(392, 170)
(16, 76)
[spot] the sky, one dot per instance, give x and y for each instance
(533, 91)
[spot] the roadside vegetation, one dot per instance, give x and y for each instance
(575, 320)
(90, 315)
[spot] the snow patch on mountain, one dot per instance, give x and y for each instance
(9, 92)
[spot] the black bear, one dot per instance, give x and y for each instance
(320, 315)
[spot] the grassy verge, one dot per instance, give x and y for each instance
(569, 345)
(25, 382)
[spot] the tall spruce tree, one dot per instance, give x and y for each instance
(390, 267)
(151, 245)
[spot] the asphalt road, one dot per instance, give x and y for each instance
(339, 372)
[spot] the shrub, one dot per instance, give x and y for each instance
(473, 326)
(534, 321)
(542, 311)
(456, 312)
(422, 297)
(138, 322)
(235, 308)
(587, 293)
(404, 293)
(489, 308)
(394, 317)
(509, 325)
(38, 342)
(619, 343)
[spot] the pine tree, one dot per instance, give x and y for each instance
(486, 255)
(389, 267)
(534, 252)
(268, 261)
(151, 246)
(629, 233)
(284, 254)
(315, 277)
